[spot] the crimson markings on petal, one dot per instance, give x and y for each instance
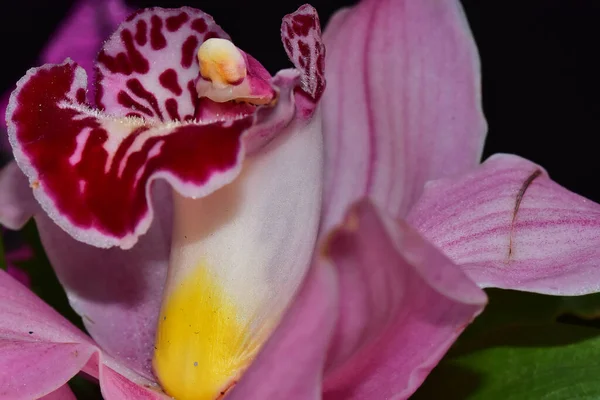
(157, 39)
(175, 22)
(99, 185)
(168, 80)
(188, 51)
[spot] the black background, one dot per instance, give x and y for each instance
(539, 64)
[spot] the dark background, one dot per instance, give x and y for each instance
(540, 70)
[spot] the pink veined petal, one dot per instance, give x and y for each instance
(39, 350)
(290, 365)
(92, 173)
(25, 317)
(148, 67)
(508, 225)
(402, 105)
(17, 203)
(62, 393)
(402, 304)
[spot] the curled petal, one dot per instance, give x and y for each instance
(402, 304)
(148, 67)
(91, 172)
(510, 226)
(402, 104)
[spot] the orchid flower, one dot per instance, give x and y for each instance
(323, 233)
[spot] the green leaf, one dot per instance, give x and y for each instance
(85, 388)
(523, 346)
(586, 307)
(549, 362)
(510, 307)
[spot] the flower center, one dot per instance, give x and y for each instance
(227, 73)
(221, 62)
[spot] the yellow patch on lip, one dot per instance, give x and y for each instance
(201, 345)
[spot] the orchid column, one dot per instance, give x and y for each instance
(241, 150)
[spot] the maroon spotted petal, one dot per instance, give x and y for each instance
(92, 172)
(301, 35)
(148, 66)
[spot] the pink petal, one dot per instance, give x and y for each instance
(402, 305)
(91, 173)
(148, 67)
(17, 203)
(301, 35)
(116, 292)
(402, 105)
(29, 370)
(39, 350)
(290, 365)
(24, 317)
(62, 393)
(509, 226)
(115, 386)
